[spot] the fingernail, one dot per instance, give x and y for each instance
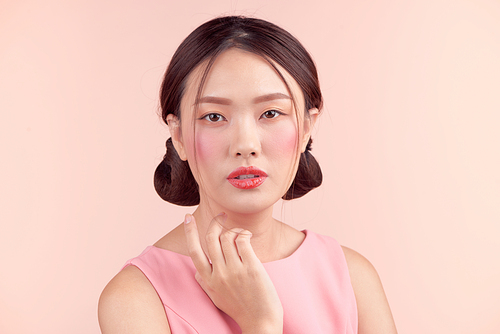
(223, 216)
(187, 219)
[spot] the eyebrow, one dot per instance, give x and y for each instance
(226, 102)
(271, 97)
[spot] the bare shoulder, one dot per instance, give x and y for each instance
(374, 313)
(130, 304)
(359, 266)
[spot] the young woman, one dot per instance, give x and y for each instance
(240, 98)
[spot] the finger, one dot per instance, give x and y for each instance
(212, 238)
(195, 251)
(227, 241)
(245, 249)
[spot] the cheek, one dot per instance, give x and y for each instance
(284, 140)
(208, 145)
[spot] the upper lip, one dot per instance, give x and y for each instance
(246, 171)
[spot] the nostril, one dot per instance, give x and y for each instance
(251, 153)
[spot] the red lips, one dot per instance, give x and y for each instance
(247, 177)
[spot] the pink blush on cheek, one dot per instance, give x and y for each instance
(207, 146)
(284, 140)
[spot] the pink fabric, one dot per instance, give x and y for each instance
(313, 285)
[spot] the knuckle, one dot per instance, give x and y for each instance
(242, 239)
(246, 233)
(228, 235)
(220, 276)
(236, 230)
(191, 250)
(211, 237)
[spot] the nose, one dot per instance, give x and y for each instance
(245, 141)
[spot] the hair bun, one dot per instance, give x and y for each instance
(173, 179)
(308, 177)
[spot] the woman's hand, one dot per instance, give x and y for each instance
(235, 280)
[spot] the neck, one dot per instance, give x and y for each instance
(265, 229)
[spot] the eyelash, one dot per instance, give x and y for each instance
(206, 117)
(276, 113)
(212, 113)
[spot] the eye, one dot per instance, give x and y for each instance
(213, 117)
(271, 114)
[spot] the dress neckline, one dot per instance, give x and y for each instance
(294, 254)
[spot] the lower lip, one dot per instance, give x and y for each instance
(247, 183)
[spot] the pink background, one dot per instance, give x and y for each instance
(409, 145)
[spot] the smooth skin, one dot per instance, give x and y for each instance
(246, 121)
(129, 303)
(235, 280)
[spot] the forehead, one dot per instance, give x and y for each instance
(241, 76)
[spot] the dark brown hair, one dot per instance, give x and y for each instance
(173, 179)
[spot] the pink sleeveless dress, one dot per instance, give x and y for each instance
(313, 285)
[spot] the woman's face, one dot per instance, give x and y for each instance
(245, 117)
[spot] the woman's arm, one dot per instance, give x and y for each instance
(130, 304)
(374, 313)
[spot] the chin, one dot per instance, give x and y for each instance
(244, 201)
(246, 204)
